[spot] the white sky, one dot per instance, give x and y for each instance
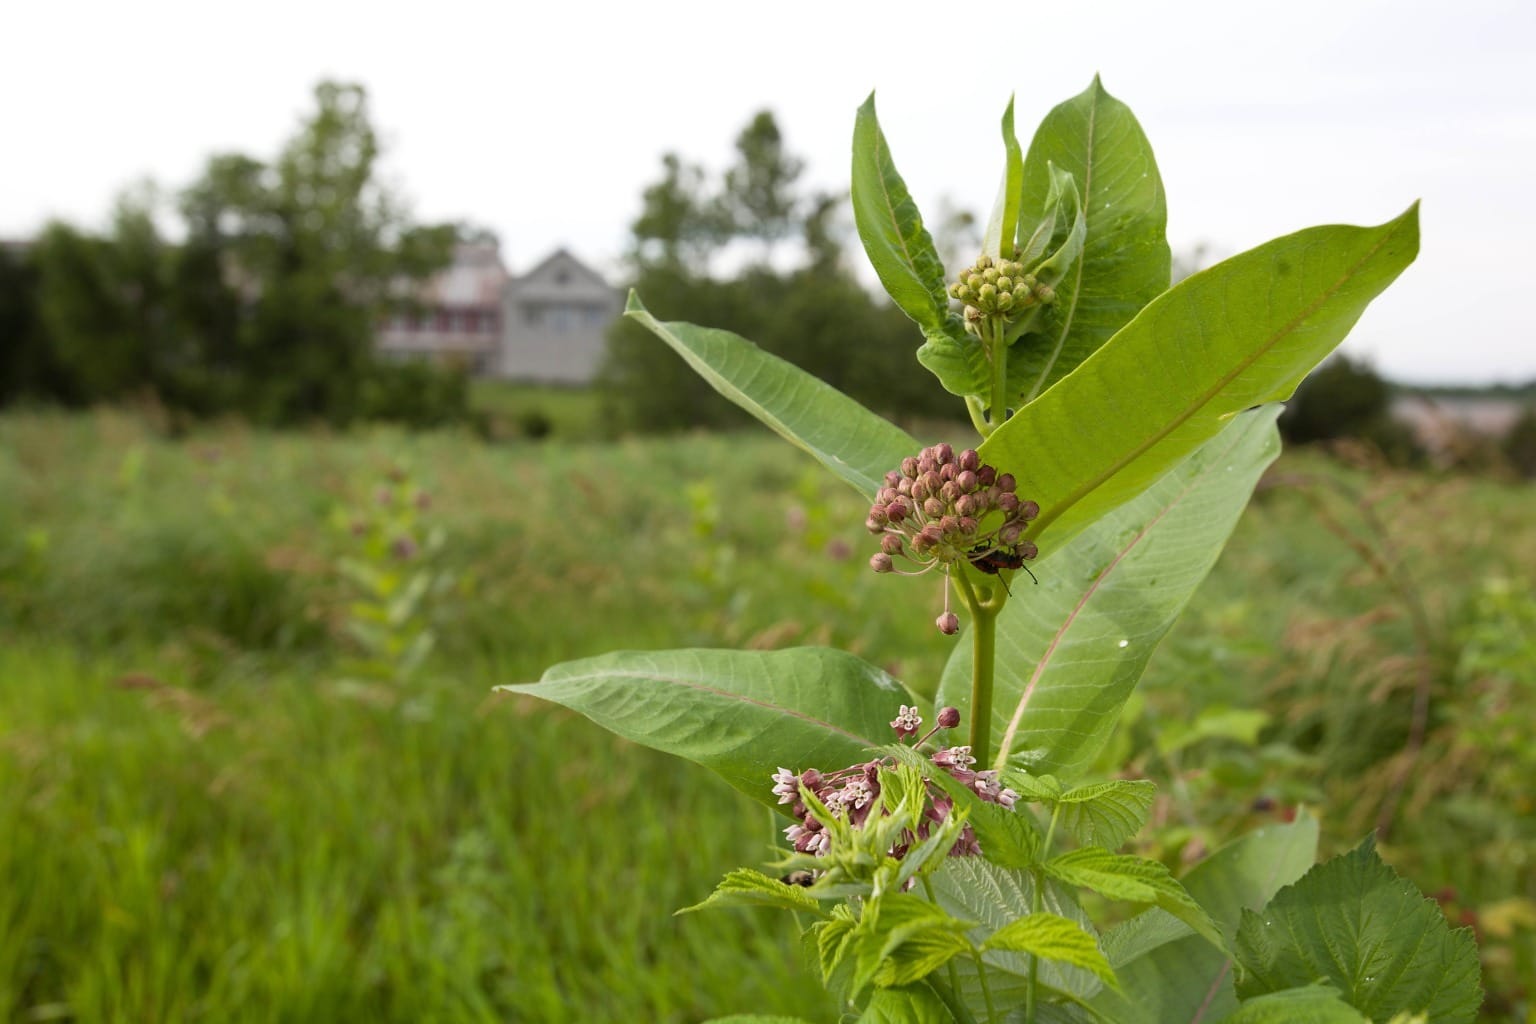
(545, 121)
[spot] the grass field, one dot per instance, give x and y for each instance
(216, 803)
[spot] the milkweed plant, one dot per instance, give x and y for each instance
(934, 854)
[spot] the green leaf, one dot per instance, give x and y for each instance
(1167, 972)
(856, 444)
(1070, 651)
(1136, 879)
(1354, 923)
(1240, 334)
(1050, 937)
(973, 888)
(1125, 260)
(742, 714)
(888, 222)
(1314, 1004)
(1106, 814)
(756, 1018)
(901, 939)
(914, 1005)
(1004, 223)
(744, 887)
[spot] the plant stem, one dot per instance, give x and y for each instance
(983, 662)
(1036, 904)
(978, 416)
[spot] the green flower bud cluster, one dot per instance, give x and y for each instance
(942, 506)
(998, 288)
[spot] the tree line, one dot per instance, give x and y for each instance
(261, 300)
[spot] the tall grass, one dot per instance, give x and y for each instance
(201, 819)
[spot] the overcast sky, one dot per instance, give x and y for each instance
(544, 121)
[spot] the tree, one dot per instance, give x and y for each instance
(758, 200)
(291, 266)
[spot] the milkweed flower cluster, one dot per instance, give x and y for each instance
(999, 288)
(941, 507)
(853, 793)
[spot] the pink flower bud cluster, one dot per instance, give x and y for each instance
(941, 507)
(853, 793)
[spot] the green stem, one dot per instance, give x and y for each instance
(983, 661)
(1036, 904)
(978, 414)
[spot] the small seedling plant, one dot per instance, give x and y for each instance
(936, 852)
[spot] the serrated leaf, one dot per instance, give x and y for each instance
(741, 714)
(854, 443)
(1354, 923)
(1050, 937)
(1071, 650)
(886, 928)
(971, 887)
(1314, 1004)
(1237, 335)
(744, 887)
(1106, 814)
(834, 941)
(1136, 879)
(913, 1005)
(1168, 973)
(1125, 259)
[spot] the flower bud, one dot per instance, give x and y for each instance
(881, 562)
(890, 544)
(966, 481)
(896, 511)
(1006, 482)
(990, 276)
(983, 262)
(1029, 510)
(948, 718)
(1027, 549)
(933, 508)
(1004, 300)
(966, 505)
(949, 524)
(876, 523)
(1004, 284)
(986, 295)
(968, 525)
(932, 533)
(893, 478)
(974, 281)
(908, 468)
(1008, 535)
(1008, 502)
(948, 623)
(986, 476)
(1046, 294)
(955, 289)
(950, 491)
(944, 452)
(970, 459)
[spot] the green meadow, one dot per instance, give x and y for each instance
(227, 793)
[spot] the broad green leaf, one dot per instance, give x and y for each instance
(899, 247)
(1070, 651)
(1135, 879)
(1106, 814)
(856, 444)
(742, 714)
(1355, 924)
(1053, 938)
(1125, 260)
(1004, 223)
(912, 1005)
(1169, 974)
(971, 887)
(1240, 334)
(1313, 1004)
(744, 887)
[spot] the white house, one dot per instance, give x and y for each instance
(546, 325)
